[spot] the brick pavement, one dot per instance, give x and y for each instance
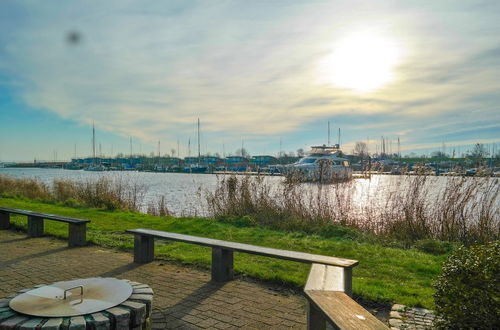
(184, 296)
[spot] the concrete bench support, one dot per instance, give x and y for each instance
(222, 265)
(77, 235)
(4, 220)
(144, 249)
(330, 278)
(35, 226)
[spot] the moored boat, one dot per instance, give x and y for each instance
(324, 164)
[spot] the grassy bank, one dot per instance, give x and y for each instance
(384, 274)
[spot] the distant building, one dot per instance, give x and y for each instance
(170, 160)
(210, 160)
(191, 160)
(233, 160)
(288, 159)
(263, 160)
(237, 163)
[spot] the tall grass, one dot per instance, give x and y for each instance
(29, 188)
(412, 208)
(158, 208)
(109, 194)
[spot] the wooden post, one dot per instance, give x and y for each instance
(315, 318)
(77, 235)
(348, 281)
(144, 249)
(4, 220)
(35, 226)
(222, 265)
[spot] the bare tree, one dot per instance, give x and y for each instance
(438, 154)
(242, 152)
(478, 153)
(361, 150)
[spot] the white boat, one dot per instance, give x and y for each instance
(321, 164)
(95, 168)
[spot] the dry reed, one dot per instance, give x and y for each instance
(109, 194)
(159, 208)
(464, 210)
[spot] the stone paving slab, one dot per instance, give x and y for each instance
(184, 297)
(411, 318)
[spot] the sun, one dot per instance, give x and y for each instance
(362, 62)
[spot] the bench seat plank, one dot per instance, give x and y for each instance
(344, 313)
(247, 248)
(44, 215)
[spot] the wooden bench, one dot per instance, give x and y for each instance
(328, 288)
(77, 227)
(222, 253)
(329, 302)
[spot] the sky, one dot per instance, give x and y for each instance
(265, 75)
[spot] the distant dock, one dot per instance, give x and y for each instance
(247, 173)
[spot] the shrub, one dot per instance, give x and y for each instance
(468, 291)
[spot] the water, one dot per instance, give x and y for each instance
(184, 193)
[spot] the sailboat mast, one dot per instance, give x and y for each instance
(158, 152)
(199, 153)
(328, 132)
(93, 143)
(399, 149)
(130, 150)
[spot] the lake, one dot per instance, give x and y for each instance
(184, 193)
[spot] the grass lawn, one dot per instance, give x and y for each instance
(384, 275)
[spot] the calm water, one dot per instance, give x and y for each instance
(184, 192)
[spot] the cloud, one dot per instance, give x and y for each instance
(150, 69)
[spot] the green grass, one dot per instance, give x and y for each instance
(384, 275)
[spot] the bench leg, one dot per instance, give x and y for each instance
(144, 249)
(77, 235)
(35, 226)
(4, 220)
(348, 281)
(315, 318)
(222, 265)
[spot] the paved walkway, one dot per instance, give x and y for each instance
(184, 296)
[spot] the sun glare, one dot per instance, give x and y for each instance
(361, 62)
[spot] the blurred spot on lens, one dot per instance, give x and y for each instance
(73, 37)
